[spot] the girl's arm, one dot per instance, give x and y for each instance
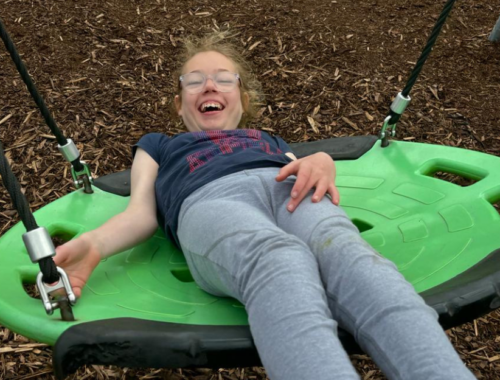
(138, 222)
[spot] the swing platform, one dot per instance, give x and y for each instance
(141, 308)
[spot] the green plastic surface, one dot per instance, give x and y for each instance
(432, 229)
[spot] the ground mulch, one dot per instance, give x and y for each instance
(328, 68)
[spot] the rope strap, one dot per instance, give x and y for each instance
(47, 265)
(393, 117)
(428, 47)
(21, 68)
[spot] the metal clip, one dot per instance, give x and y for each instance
(46, 291)
(83, 178)
(385, 136)
(384, 127)
(398, 106)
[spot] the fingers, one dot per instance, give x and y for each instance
(319, 193)
(78, 291)
(301, 188)
(303, 178)
(334, 193)
(315, 171)
(322, 187)
(287, 170)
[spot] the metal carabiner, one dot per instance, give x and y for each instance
(398, 106)
(46, 291)
(384, 136)
(83, 178)
(384, 126)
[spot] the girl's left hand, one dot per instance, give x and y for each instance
(318, 171)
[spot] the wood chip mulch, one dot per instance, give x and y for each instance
(328, 68)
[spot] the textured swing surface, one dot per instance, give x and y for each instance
(432, 229)
(444, 238)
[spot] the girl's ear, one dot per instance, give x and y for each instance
(245, 100)
(178, 104)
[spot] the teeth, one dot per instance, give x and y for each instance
(214, 105)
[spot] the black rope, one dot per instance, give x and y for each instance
(394, 117)
(428, 47)
(14, 189)
(21, 68)
(11, 48)
(47, 265)
(49, 270)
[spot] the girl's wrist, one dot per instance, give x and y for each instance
(92, 242)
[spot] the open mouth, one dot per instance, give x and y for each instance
(211, 107)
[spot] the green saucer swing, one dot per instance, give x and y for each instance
(142, 308)
(443, 237)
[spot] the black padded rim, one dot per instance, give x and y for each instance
(141, 343)
(469, 295)
(134, 343)
(130, 342)
(341, 148)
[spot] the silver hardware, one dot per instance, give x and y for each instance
(46, 291)
(69, 151)
(400, 103)
(392, 132)
(82, 178)
(39, 244)
(398, 106)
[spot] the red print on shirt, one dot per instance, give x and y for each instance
(225, 143)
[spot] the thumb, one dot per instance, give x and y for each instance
(77, 290)
(61, 254)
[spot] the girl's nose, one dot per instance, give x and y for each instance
(210, 85)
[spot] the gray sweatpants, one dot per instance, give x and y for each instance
(300, 274)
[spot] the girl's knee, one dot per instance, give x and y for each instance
(283, 250)
(335, 231)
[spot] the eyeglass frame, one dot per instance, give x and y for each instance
(207, 77)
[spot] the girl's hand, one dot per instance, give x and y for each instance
(78, 258)
(318, 171)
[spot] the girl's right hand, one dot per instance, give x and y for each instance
(78, 258)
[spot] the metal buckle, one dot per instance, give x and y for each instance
(82, 178)
(385, 136)
(398, 106)
(384, 127)
(46, 291)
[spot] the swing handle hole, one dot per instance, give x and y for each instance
(457, 173)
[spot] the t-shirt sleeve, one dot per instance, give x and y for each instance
(151, 143)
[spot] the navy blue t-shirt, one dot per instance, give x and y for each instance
(190, 160)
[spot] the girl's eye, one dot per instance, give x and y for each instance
(194, 83)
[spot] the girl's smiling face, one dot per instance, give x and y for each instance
(190, 106)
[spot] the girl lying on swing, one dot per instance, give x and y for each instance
(259, 225)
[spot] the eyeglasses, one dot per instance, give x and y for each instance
(224, 81)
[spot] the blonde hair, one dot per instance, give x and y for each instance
(217, 41)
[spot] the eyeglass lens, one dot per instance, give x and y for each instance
(195, 82)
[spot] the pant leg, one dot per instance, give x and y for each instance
(366, 293)
(233, 246)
